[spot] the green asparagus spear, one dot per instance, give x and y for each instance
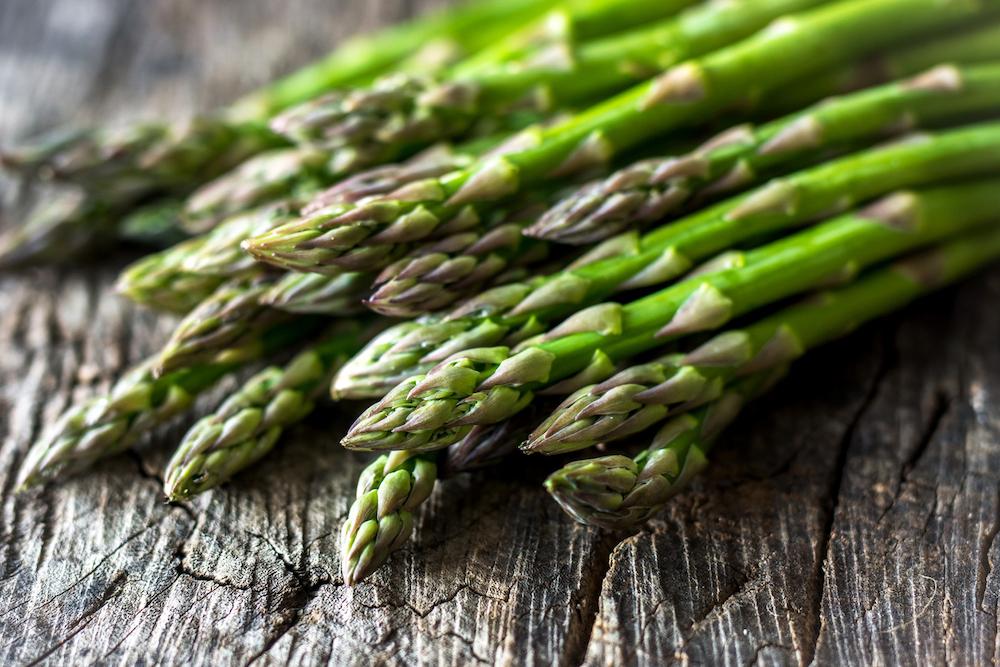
(514, 311)
(654, 188)
(617, 492)
(401, 113)
(109, 424)
(640, 396)
(393, 486)
(249, 423)
(488, 385)
(315, 294)
(374, 233)
(178, 278)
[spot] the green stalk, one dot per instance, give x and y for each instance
(515, 311)
(488, 385)
(638, 397)
(179, 278)
(249, 423)
(653, 189)
(616, 492)
(395, 484)
(400, 114)
(139, 401)
(374, 233)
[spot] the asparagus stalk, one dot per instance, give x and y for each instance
(229, 325)
(439, 273)
(250, 422)
(149, 156)
(373, 233)
(617, 492)
(514, 311)
(178, 278)
(652, 189)
(314, 294)
(643, 395)
(394, 485)
(488, 385)
(402, 112)
(140, 400)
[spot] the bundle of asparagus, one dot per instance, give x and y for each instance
(857, 173)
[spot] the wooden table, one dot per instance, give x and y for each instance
(851, 519)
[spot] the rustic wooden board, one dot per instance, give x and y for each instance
(851, 519)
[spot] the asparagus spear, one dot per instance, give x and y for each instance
(249, 423)
(109, 424)
(402, 112)
(488, 385)
(178, 278)
(395, 484)
(149, 156)
(651, 189)
(514, 311)
(643, 395)
(617, 492)
(311, 293)
(439, 273)
(374, 233)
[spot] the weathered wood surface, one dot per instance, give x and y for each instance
(850, 520)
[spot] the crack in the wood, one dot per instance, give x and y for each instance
(942, 405)
(887, 363)
(294, 600)
(584, 619)
(114, 590)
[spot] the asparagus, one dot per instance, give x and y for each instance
(654, 188)
(149, 156)
(514, 311)
(402, 112)
(617, 492)
(109, 424)
(381, 517)
(249, 423)
(643, 395)
(487, 385)
(284, 173)
(395, 484)
(439, 273)
(179, 278)
(311, 293)
(229, 325)
(373, 233)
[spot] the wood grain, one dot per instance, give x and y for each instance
(850, 519)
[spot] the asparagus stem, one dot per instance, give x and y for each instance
(393, 486)
(249, 423)
(652, 189)
(180, 277)
(402, 113)
(374, 233)
(643, 395)
(488, 385)
(511, 312)
(314, 294)
(616, 492)
(139, 401)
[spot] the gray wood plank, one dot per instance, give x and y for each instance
(850, 519)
